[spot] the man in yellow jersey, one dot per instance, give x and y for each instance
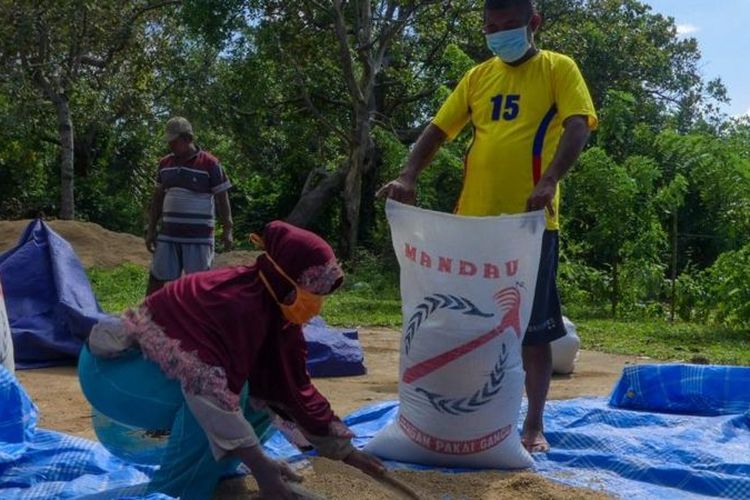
(532, 115)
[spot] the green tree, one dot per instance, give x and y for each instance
(610, 207)
(56, 48)
(624, 45)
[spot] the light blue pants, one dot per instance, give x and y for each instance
(172, 259)
(133, 391)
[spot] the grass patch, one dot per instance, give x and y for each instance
(120, 287)
(370, 297)
(365, 300)
(355, 309)
(664, 341)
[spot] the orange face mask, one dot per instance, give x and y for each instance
(306, 304)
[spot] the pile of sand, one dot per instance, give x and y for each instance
(100, 247)
(337, 481)
(95, 246)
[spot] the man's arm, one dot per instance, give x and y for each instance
(571, 144)
(154, 214)
(404, 188)
(225, 215)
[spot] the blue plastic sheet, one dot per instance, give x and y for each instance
(18, 417)
(41, 464)
(332, 352)
(693, 389)
(637, 454)
(49, 300)
(628, 454)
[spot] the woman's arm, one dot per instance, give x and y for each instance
(294, 393)
(231, 435)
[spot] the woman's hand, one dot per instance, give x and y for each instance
(365, 462)
(270, 474)
(272, 477)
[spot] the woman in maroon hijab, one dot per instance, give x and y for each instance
(213, 356)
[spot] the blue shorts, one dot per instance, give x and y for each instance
(546, 322)
(172, 259)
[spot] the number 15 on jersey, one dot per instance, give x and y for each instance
(505, 107)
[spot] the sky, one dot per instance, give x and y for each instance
(722, 28)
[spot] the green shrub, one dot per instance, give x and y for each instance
(727, 284)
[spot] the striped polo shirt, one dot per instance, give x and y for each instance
(190, 185)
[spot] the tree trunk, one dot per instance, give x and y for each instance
(352, 196)
(370, 209)
(314, 200)
(65, 130)
(360, 157)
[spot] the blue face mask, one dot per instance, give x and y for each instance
(509, 45)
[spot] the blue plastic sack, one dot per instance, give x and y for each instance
(51, 307)
(332, 352)
(681, 388)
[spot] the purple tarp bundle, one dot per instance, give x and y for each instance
(50, 304)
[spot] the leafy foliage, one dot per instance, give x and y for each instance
(663, 191)
(727, 295)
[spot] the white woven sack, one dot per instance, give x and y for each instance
(6, 339)
(565, 350)
(467, 286)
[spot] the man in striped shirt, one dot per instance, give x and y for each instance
(189, 182)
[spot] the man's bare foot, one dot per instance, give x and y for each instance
(535, 442)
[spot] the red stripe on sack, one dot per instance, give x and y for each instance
(430, 365)
(508, 299)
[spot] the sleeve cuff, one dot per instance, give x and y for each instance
(337, 445)
(224, 186)
(332, 447)
(109, 338)
(450, 135)
(591, 119)
(226, 430)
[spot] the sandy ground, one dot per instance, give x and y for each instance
(62, 407)
(337, 481)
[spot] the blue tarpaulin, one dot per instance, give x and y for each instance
(629, 454)
(691, 389)
(41, 464)
(49, 300)
(626, 453)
